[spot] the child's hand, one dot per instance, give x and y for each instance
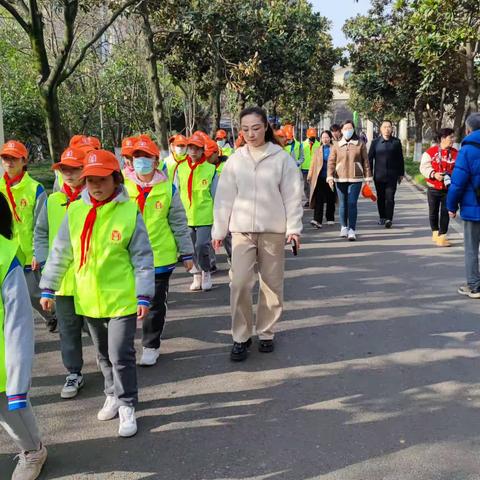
(35, 264)
(188, 264)
(142, 312)
(47, 304)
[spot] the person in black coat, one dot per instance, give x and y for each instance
(387, 164)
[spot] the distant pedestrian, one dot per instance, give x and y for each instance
(465, 191)
(336, 130)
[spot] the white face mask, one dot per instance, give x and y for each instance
(221, 143)
(348, 134)
(180, 151)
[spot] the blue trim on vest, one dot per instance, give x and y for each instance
(15, 263)
(40, 190)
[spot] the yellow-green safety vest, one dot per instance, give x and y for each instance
(308, 153)
(56, 210)
(296, 150)
(105, 285)
(155, 216)
(8, 250)
(227, 151)
(25, 195)
(171, 164)
(200, 212)
(220, 167)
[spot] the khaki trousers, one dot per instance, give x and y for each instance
(267, 250)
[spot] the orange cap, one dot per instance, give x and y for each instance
(367, 193)
(180, 140)
(197, 140)
(221, 135)
(78, 140)
(146, 145)
(127, 145)
(311, 132)
(100, 163)
(71, 157)
(280, 133)
(211, 147)
(289, 132)
(240, 141)
(94, 142)
(15, 149)
(202, 134)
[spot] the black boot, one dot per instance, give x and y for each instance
(266, 346)
(239, 351)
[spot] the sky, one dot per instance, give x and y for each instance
(338, 11)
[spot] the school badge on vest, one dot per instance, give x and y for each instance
(23, 202)
(116, 236)
(159, 205)
(204, 182)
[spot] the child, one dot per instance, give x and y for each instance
(26, 198)
(126, 152)
(16, 355)
(104, 236)
(166, 223)
(48, 223)
(178, 155)
(197, 182)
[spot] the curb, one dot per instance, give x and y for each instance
(412, 182)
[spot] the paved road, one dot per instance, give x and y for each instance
(375, 376)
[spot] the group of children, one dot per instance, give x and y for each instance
(99, 253)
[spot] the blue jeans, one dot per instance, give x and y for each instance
(348, 197)
(471, 236)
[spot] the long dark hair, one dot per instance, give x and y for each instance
(260, 112)
(354, 136)
(6, 223)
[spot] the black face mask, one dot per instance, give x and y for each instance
(312, 139)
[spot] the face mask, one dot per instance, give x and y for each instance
(180, 151)
(221, 143)
(348, 134)
(143, 165)
(312, 139)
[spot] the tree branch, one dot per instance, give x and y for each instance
(15, 14)
(69, 71)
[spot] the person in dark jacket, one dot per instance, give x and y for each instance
(386, 162)
(465, 191)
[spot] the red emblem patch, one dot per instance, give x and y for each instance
(204, 181)
(159, 205)
(23, 203)
(116, 236)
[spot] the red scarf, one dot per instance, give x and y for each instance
(86, 235)
(176, 167)
(72, 195)
(193, 166)
(141, 197)
(9, 183)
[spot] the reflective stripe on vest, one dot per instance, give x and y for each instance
(308, 153)
(8, 249)
(200, 213)
(56, 209)
(25, 195)
(155, 216)
(105, 286)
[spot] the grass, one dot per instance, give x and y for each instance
(413, 169)
(43, 173)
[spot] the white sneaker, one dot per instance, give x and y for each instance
(351, 235)
(74, 382)
(30, 464)
(330, 222)
(197, 282)
(109, 409)
(128, 422)
(315, 224)
(149, 356)
(344, 232)
(206, 281)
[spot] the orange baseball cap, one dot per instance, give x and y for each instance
(71, 157)
(202, 134)
(14, 148)
(100, 163)
(146, 145)
(280, 133)
(127, 145)
(180, 140)
(221, 135)
(367, 193)
(94, 142)
(197, 140)
(211, 147)
(77, 140)
(311, 132)
(289, 131)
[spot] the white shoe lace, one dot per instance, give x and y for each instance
(26, 459)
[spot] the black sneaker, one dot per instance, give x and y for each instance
(239, 351)
(381, 222)
(52, 325)
(388, 224)
(266, 346)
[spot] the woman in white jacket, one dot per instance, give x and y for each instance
(258, 199)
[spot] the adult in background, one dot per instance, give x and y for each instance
(259, 199)
(437, 166)
(387, 164)
(348, 167)
(320, 191)
(336, 130)
(465, 191)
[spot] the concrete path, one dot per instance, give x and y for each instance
(375, 375)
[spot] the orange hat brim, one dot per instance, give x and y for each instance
(95, 171)
(68, 163)
(12, 152)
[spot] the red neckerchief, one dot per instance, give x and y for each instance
(72, 195)
(9, 183)
(193, 166)
(87, 231)
(177, 165)
(141, 197)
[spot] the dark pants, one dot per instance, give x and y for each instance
(386, 198)
(70, 326)
(322, 195)
(471, 236)
(437, 210)
(155, 322)
(306, 185)
(114, 341)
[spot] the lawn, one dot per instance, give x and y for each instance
(43, 173)
(413, 169)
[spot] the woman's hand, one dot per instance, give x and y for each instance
(142, 312)
(331, 184)
(439, 176)
(47, 304)
(293, 237)
(217, 244)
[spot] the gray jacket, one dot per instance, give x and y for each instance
(177, 220)
(41, 235)
(141, 255)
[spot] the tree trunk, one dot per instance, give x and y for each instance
(459, 120)
(216, 109)
(418, 113)
(473, 90)
(159, 119)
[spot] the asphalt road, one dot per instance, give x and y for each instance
(375, 375)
